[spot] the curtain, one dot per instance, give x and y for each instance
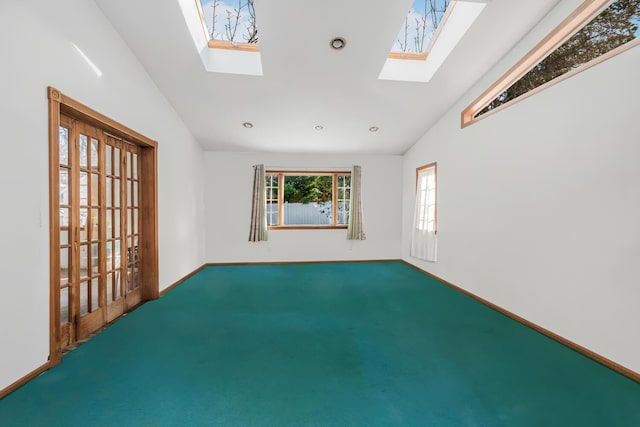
(354, 229)
(258, 229)
(424, 242)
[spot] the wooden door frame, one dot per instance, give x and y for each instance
(62, 104)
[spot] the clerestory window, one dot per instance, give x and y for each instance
(596, 31)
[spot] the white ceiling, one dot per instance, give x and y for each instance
(305, 83)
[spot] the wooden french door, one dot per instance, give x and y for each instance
(99, 190)
(122, 186)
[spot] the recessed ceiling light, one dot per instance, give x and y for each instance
(338, 43)
(318, 127)
(248, 125)
(374, 129)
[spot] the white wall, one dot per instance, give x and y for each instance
(228, 207)
(37, 52)
(539, 206)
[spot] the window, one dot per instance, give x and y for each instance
(428, 34)
(308, 199)
(418, 29)
(229, 24)
(224, 34)
(426, 198)
(424, 242)
(596, 31)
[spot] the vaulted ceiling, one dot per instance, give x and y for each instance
(305, 83)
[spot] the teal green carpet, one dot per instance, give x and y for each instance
(354, 344)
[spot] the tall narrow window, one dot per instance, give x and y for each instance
(272, 199)
(343, 199)
(423, 238)
(597, 30)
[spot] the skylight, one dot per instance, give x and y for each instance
(228, 43)
(229, 22)
(429, 33)
(418, 28)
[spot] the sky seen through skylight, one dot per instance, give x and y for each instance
(230, 20)
(419, 26)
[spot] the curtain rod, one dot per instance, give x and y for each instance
(311, 169)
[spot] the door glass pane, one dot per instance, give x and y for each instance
(95, 201)
(116, 254)
(129, 221)
(136, 275)
(129, 164)
(95, 305)
(94, 154)
(117, 285)
(64, 237)
(129, 279)
(131, 250)
(63, 138)
(110, 288)
(109, 224)
(135, 220)
(64, 217)
(64, 186)
(116, 161)
(136, 258)
(83, 151)
(116, 223)
(129, 192)
(84, 230)
(109, 190)
(135, 166)
(84, 298)
(109, 158)
(136, 251)
(95, 224)
(84, 189)
(64, 266)
(95, 259)
(64, 306)
(84, 260)
(135, 193)
(116, 193)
